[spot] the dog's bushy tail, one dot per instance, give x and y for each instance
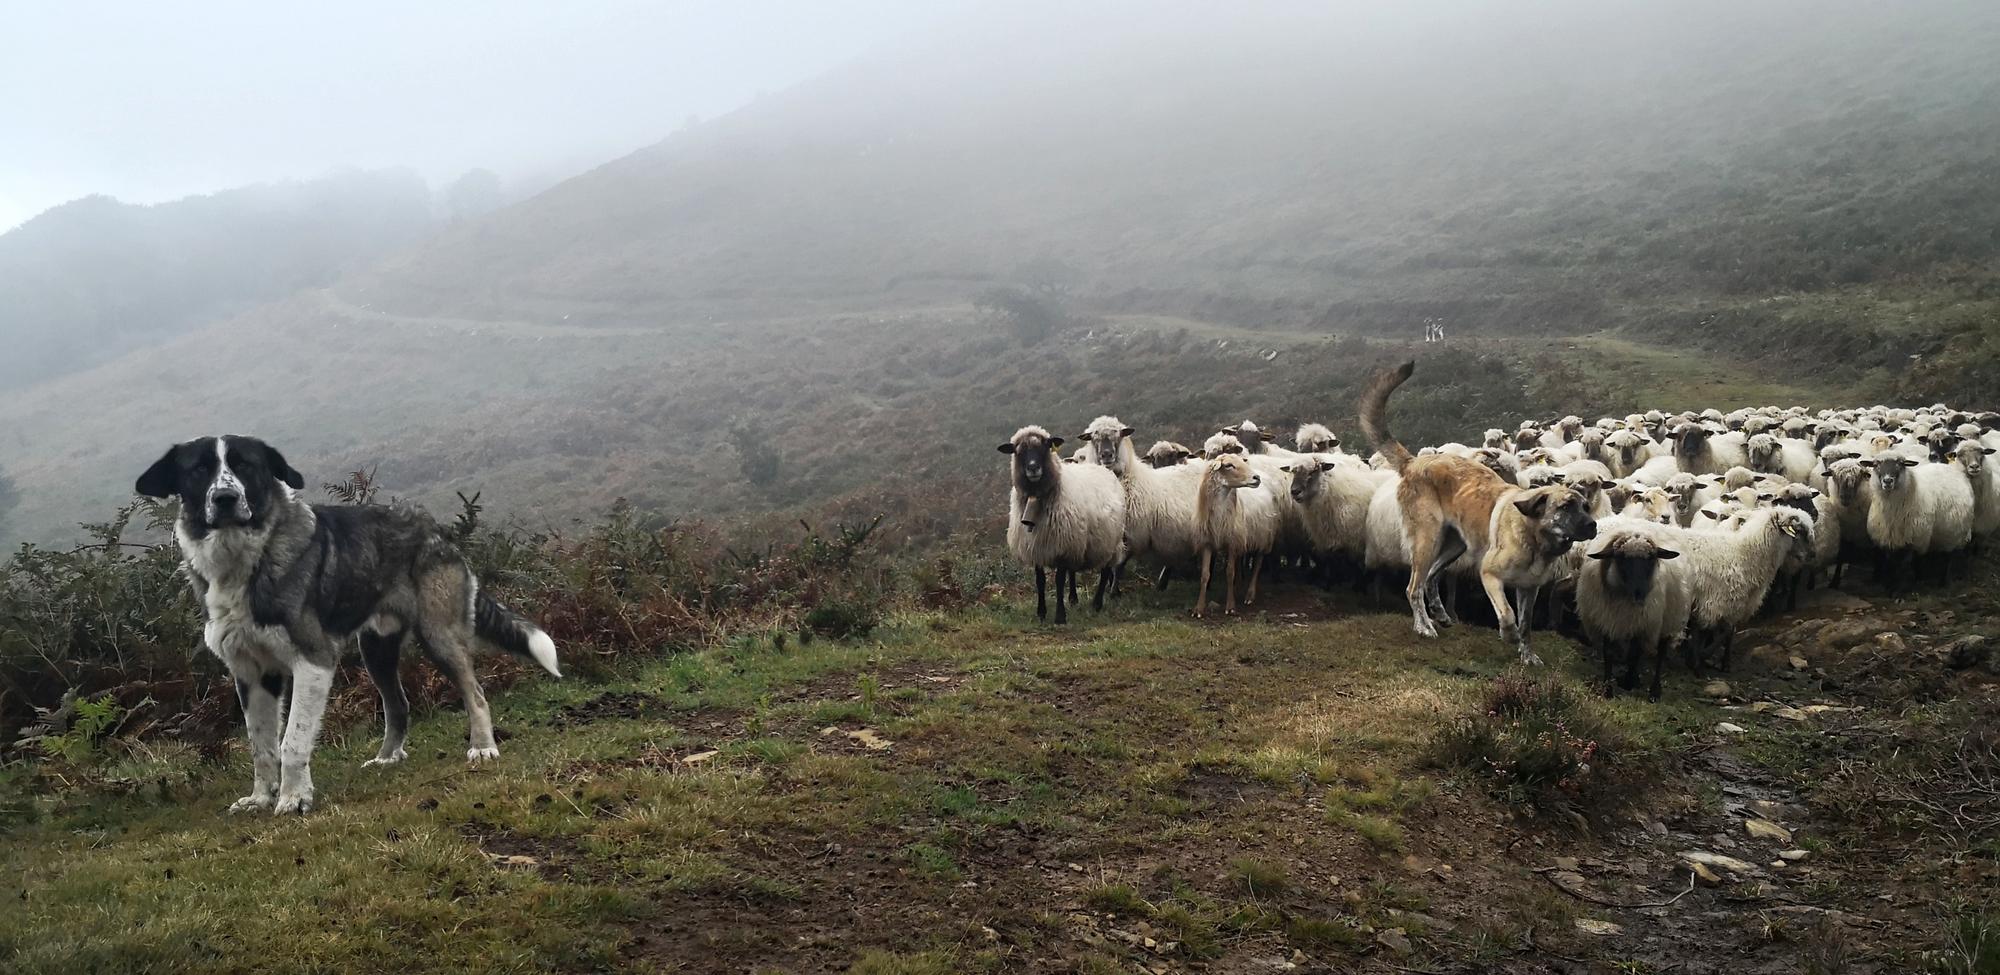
(1374, 408)
(512, 632)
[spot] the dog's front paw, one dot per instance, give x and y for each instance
(389, 759)
(477, 755)
(294, 804)
(1426, 630)
(255, 802)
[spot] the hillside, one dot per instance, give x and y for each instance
(1522, 169)
(96, 278)
(1784, 194)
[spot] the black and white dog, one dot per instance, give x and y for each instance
(283, 584)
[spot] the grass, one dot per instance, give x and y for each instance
(1227, 791)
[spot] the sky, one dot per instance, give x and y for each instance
(149, 101)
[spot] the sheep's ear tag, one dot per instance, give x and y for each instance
(1667, 553)
(1007, 448)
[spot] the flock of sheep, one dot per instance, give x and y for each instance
(1700, 518)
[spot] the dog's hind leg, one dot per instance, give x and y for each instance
(1451, 545)
(312, 681)
(382, 652)
(449, 646)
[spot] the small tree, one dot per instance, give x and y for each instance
(10, 495)
(759, 459)
(1030, 316)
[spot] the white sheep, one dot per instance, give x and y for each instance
(1237, 516)
(1166, 453)
(1794, 459)
(1973, 459)
(1657, 471)
(1159, 502)
(1632, 591)
(1315, 438)
(1060, 516)
(1918, 508)
(1702, 450)
(1332, 494)
(1731, 571)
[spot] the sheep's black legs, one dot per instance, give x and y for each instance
(1065, 580)
(1104, 581)
(1041, 593)
(1659, 659)
(1072, 587)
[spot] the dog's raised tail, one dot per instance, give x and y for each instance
(1374, 408)
(512, 632)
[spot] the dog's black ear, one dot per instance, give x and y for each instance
(161, 479)
(1533, 507)
(282, 469)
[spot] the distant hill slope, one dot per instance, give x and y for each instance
(1527, 166)
(1786, 199)
(93, 278)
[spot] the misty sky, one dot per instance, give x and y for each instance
(153, 101)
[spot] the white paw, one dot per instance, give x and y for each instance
(1426, 630)
(297, 803)
(477, 755)
(256, 802)
(389, 759)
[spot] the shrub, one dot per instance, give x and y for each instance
(1537, 742)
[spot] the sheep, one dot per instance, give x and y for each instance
(1651, 504)
(1635, 592)
(1159, 502)
(1589, 478)
(1625, 451)
(1166, 453)
(1332, 495)
(1315, 438)
(1590, 446)
(1918, 508)
(1731, 571)
(1496, 439)
(1847, 483)
(1219, 443)
(1985, 480)
(1236, 515)
(1388, 547)
(1258, 443)
(1773, 455)
(1825, 513)
(1701, 450)
(1502, 462)
(1686, 492)
(1657, 471)
(1064, 517)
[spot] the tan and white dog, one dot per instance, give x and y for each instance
(1455, 507)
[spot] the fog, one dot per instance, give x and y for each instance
(1139, 189)
(149, 102)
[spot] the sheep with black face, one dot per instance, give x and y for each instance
(1066, 517)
